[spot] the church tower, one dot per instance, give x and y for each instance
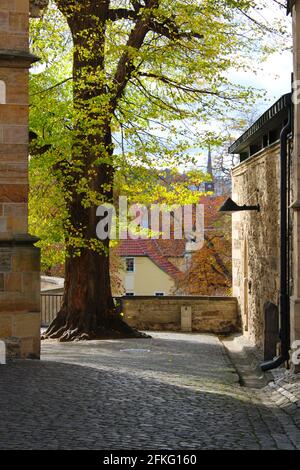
(209, 185)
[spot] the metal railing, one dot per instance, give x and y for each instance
(50, 305)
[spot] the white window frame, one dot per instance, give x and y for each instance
(127, 258)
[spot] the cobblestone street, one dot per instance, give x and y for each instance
(174, 391)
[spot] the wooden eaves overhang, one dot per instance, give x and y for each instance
(265, 131)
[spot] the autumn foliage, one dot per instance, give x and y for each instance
(209, 271)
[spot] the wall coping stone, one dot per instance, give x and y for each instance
(24, 56)
(19, 240)
(177, 297)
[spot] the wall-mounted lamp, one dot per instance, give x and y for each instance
(231, 206)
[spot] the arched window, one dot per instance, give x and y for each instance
(2, 92)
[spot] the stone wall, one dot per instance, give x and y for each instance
(19, 258)
(217, 315)
(295, 212)
(14, 24)
(49, 283)
(20, 297)
(256, 250)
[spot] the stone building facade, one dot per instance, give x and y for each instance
(19, 258)
(256, 278)
(256, 234)
(294, 9)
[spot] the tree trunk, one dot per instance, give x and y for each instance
(88, 310)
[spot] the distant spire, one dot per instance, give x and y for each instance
(209, 186)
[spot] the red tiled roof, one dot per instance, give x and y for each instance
(156, 250)
(159, 250)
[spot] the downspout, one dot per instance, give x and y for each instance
(284, 303)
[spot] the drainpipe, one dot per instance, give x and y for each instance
(284, 303)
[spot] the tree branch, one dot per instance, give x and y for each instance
(52, 87)
(136, 5)
(136, 38)
(67, 7)
(170, 30)
(166, 105)
(177, 85)
(217, 257)
(262, 26)
(122, 14)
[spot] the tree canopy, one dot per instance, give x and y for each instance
(161, 69)
(124, 88)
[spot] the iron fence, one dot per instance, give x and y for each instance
(50, 305)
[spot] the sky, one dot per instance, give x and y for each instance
(275, 77)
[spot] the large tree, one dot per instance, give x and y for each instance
(145, 70)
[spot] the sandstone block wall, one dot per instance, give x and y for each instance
(217, 315)
(19, 259)
(20, 297)
(256, 250)
(14, 24)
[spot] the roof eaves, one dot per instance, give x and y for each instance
(271, 113)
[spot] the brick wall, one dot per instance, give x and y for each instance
(209, 314)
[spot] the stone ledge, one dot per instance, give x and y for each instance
(185, 298)
(23, 56)
(18, 240)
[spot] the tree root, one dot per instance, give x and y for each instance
(114, 329)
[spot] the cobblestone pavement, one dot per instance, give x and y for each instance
(174, 391)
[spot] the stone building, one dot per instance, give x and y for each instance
(256, 234)
(266, 243)
(294, 9)
(19, 258)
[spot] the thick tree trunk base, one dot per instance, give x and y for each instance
(112, 328)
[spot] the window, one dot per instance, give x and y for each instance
(129, 294)
(130, 265)
(159, 294)
(2, 92)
